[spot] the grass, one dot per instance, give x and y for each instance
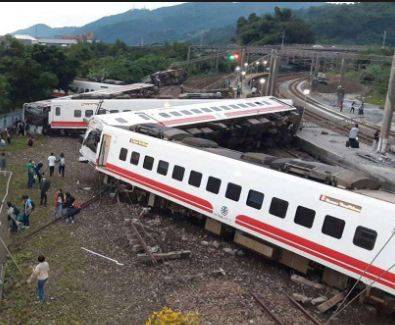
(56, 242)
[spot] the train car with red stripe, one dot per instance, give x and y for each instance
(348, 232)
(195, 112)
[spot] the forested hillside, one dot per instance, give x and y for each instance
(271, 29)
(184, 22)
(359, 23)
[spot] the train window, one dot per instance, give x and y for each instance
(304, 216)
(122, 154)
(163, 166)
(213, 185)
(178, 173)
(120, 120)
(186, 112)
(195, 110)
(255, 199)
(101, 112)
(164, 115)
(206, 109)
(144, 117)
(278, 207)
(88, 113)
(195, 178)
(258, 103)
(365, 237)
(234, 106)
(333, 227)
(57, 111)
(114, 111)
(216, 109)
(134, 158)
(127, 110)
(175, 113)
(243, 105)
(233, 192)
(77, 113)
(148, 162)
(226, 108)
(86, 90)
(251, 104)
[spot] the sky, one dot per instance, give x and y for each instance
(19, 15)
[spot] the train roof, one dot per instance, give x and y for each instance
(197, 113)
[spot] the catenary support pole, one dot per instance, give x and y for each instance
(388, 111)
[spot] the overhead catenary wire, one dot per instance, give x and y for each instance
(358, 295)
(361, 276)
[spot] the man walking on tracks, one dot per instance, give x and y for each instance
(44, 187)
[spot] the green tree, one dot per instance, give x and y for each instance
(269, 29)
(5, 89)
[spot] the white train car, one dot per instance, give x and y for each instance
(189, 113)
(85, 86)
(347, 231)
(68, 112)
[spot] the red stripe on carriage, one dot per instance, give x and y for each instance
(322, 252)
(165, 189)
(189, 119)
(257, 110)
(69, 124)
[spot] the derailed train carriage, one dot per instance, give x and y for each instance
(339, 223)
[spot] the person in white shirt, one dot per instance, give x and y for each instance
(62, 164)
(353, 137)
(41, 273)
(51, 163)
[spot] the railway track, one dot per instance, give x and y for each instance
(322, 115)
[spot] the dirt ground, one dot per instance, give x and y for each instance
(86, 289)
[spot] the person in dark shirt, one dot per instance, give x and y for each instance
(44, 187)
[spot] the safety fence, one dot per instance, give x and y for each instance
(5, 178)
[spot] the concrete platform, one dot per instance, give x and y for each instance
(372, 113)
(330, 148)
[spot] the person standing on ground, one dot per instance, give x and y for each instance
(12, 213)
(59, 201)
(360, 109)
(376, 137)
(352, 107)
(27, 210)
(41, 273)
(71, 210)
(37, 170)
(62, 164)
(51, 164)
(44, 187)
(8, 135)
(3, 162)
(30, 141)
(353, 137)
(30, 174)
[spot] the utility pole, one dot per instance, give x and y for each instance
(384, 39)
(341, 72)
(389, 108)
(269, 79)
(282, 41)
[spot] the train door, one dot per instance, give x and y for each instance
(104, 149)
